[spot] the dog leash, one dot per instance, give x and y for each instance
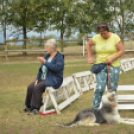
(108, 66)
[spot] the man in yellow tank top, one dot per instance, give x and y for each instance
(108, 48)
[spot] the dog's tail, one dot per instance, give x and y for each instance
(71, 124)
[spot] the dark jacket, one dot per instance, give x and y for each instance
(54, 76)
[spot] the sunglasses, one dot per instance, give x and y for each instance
(103, 27)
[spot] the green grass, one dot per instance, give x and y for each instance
(13, 84)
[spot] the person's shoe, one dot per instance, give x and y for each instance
(33, 112)
(25, 110)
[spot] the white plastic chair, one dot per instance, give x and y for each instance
(67, 93)
(84, 81)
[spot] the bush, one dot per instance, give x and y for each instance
(2, 48)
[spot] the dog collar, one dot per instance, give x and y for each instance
(112, 107)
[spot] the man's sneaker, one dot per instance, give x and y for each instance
(33, 112)
(25, 110)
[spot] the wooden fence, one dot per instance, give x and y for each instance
(33, 50)
(1, 44)
(128, 43)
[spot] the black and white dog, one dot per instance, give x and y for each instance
(108, 113)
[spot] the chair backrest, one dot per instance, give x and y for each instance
(67, 80)
(132, 62)
(68, 85)
(126, 64)
(84, 80)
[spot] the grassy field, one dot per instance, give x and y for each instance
(18, 72)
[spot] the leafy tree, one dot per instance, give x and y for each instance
(50, 36)
(63, 19)
(21, 16)
(89, 13)
(123, 16)
(43, 13)
(80, 36)
(27, 15)
(4, 16)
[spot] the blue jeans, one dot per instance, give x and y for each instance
(102, 81)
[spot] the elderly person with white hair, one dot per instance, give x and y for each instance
(50, 74)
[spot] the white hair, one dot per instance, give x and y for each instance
(51, 43)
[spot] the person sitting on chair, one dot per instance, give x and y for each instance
(50, 75)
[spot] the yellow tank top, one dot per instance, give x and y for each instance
(106, 48)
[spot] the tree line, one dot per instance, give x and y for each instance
(66, 16)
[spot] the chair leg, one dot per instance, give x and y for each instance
(65, 93)
(54, 102)
(45, 101)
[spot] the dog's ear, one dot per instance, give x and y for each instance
(112, 96)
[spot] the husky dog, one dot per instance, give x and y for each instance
(108, 113)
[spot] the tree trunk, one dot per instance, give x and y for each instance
(25, 37)
(24, 27)
(62, 33)
(123, 22)
(4, 31)
(40, 45)
(62, 43)
(122, 34)
(122, 30)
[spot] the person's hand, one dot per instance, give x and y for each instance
(41, 59)
(35, 83)
(109, 60)
(90, 61)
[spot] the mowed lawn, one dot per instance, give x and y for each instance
(16, 75)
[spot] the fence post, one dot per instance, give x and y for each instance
(84, 43)
(83, 47)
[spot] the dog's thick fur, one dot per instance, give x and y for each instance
(93, 117)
